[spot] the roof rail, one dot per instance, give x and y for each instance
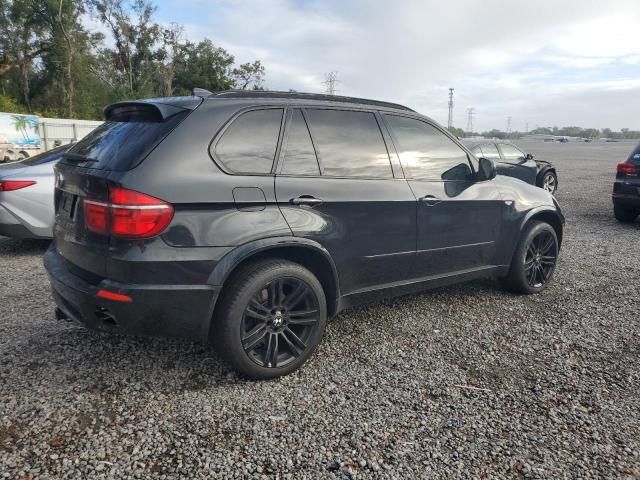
(305, 96)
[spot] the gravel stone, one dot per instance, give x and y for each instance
(555, 376)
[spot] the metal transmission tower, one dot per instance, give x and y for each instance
(330, 81)
(508, 125)
(470, 112)
(450, 121)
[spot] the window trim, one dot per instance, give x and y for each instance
(213, 144)
(285, 139)
(304, 108)
(433, 124)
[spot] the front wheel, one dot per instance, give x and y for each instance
(550, 182)
(271, 318)
(534, 260)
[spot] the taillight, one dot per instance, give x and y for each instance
(129, 214)
(625, 168)
(10, 185)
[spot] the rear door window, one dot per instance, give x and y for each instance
(490, 151)
(249, 144)
(298, 155)
(123, 143)
(349, 143)
(509, 152)
(426, 152)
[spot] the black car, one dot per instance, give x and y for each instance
(626, 189)
(248, 218)
(513, 162)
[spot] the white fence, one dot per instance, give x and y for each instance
(60, 131)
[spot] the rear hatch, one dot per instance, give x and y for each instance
(88, 171)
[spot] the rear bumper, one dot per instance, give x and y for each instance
(155, 310)
(626, 201)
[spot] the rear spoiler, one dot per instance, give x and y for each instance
(161, 108)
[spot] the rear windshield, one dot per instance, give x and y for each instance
(46, 157)
(121, 144)
(635, 156)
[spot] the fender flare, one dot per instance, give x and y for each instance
(546, 209)
(231, 260)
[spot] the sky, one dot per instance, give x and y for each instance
(542, 62)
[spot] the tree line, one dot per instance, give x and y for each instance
(56, 61)
(586, 133)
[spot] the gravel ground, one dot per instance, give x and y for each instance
(555, 376)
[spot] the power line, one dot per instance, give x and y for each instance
(450, 121)
(330, 81)
(470, 112)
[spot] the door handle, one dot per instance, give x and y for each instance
(429, 200)
(306, 200)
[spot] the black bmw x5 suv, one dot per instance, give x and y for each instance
(247, 219)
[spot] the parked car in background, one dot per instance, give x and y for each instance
(626, 188)
(513, 162)
(248, 218)
(26, 195)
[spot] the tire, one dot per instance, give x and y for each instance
(534, 260)
(549, 182)
(625, 215)
(260, 305)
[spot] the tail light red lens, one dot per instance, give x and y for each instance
(129, 214)
(10, 185)
(627, 168)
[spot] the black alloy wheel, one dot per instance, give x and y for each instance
(534, 259)
(271, 318)
(279, 322)
(540, 259)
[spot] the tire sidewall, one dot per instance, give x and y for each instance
(519, 259)
(230, 342)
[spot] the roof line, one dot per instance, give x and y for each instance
(304, 96)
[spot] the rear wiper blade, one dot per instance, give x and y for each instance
(78, 158)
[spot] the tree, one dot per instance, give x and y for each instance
(248, 74)
(20, 44)
(202, 65)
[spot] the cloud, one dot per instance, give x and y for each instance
(539, 62)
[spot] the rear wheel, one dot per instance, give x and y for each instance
(271, 318)
(625, 215)
(534, 261)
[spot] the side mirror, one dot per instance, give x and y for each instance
(487, 169)
(529, 157)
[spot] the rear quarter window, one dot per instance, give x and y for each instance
(249, 144)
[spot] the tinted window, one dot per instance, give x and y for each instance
(510, 152)
(489, 150)
(249, 144)
(426, 152)
(350, 144)
(46, 157)
(635, 156)
(123, 144)
(299, 157)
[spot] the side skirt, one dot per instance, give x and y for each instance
(415, 285)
